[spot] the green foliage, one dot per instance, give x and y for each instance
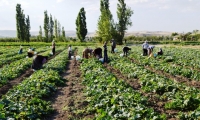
(22, 25)
(124, 14)
(51, 27)
(46, 25)
(105, 23)
(27, 30)
(81, 28)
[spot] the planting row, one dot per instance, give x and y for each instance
(111, 98)
(15, 69)
(26, 101)
(173, 95)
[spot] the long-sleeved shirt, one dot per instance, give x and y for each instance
(145, 45)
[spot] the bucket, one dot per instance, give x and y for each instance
(101, 59)
(78, 57)
(115, 50)
(121, 55)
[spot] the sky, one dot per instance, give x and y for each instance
(149, 15)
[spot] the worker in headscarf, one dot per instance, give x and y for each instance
(87, 53)
(97, 52)
(38, 61)
(20, 50)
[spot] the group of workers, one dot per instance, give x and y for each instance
(148, 50)
(97, 53)
(39, 60)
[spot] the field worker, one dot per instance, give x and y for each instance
(97, 53)
(150, 49)
(38, 61)
(53, 47)
(20, 50)
(125, 50)
(30, 52)
(87, 53)
(145, 47)
(105, 58)
(69, 52)
(113, 46)
(160, 52)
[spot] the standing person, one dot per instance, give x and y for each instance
(97, 52)
(145, 47)
(105, 58)
(69, 52)
(53, 47)
(113, 45)
(38, 61)
(20, 50)
(86, 52)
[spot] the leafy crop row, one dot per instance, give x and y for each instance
(175, 96)
(111, 98)
(25, 101)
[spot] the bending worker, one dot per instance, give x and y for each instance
(87, 53)
(97, 53)
(38, 61)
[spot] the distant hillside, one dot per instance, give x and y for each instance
(148, 33)
(12, 33)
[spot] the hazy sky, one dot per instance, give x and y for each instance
(151, 15)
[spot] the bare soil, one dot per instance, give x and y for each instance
(69, 102)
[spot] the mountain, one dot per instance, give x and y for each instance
(12, 33)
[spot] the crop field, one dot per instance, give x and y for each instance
(135, 87)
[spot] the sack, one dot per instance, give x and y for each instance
(115, 50)
(101, 59)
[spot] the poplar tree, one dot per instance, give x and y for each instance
(27, 29)
(51, 27)
(20, 23)
(81, 27)
(55, 28)
(18, 19)
(46, 26)
(59, 30)
(63, 34)
(124, 14)
(104, 26)
(40, 34)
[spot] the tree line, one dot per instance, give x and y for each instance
(107, 29)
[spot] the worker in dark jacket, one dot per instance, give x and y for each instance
(105, 58)
(125, 50)
(160, 52)
(38, 61)
(97, 52)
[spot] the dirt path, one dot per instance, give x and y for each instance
(69, 101)
(4, 89)
(153, 101)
